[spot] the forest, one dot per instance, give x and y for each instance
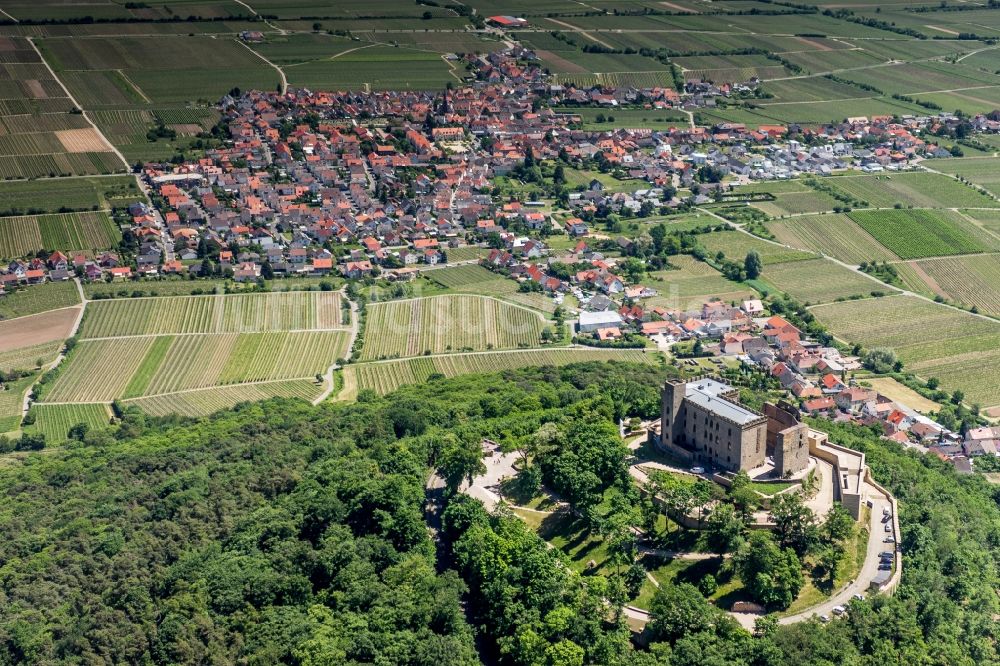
(282, 533)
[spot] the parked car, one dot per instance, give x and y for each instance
(858, 597)
(888, 527)
(885, 566)
(889, 539)
(839, 610)
(824, 618)
(697, 470)
(885, 553)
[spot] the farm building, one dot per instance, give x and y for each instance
(592, 321)
(508, 21)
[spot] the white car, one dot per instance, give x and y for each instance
(839, 610)
(824, 618)
(858, 597)
(697, 470)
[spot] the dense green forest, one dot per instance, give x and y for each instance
(281, 533)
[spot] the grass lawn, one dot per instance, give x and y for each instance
(772, 488)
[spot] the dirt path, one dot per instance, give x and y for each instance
(573, 28)
(281, 73)
(928, 280)
(136, 88)
(328, 382)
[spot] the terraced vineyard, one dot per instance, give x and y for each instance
(385, 377)
(834, 234)
(110, 368)
(961, 350)
(819, 281)
(54, 421)
(447, 323)
(233, 313)
(912, 234)
(207, 401)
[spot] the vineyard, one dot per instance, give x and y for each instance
(39, 298)
(23, 358)
(207, 401)
(834, 234)
(111, 368)
(20, 236)
(932, 340)
(919, 189)
(233, 313)
(11, 398)
(472, 278)
(385, 377)
(447, 323)
(969, 281)
(912, 234)
(54, 421)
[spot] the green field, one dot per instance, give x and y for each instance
(21, 236)
(54, 421)
(691, 284)
(834, 234)
(912, 234)
(375, 67)
(233, 313)
(447, 323)
(736, 244)
(386, 376)
(38, 298)
(819, 281)
(960, 349)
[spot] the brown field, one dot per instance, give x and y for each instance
(37, 329)
(36, 89)
(82, 141)
(190, 129)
